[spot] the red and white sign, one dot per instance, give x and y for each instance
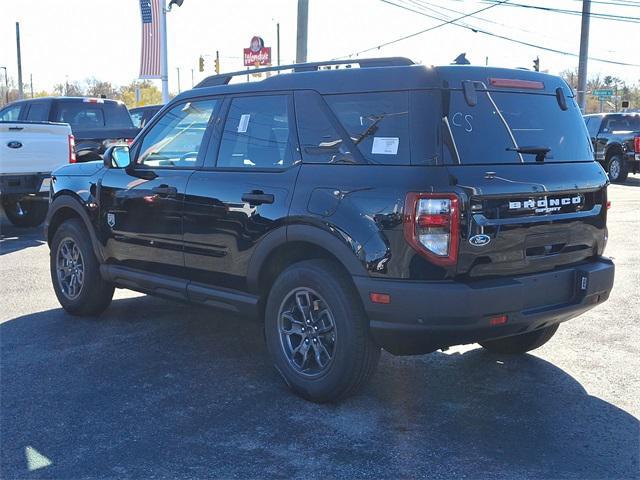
(257, 54)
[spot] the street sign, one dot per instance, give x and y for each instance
(602, 92)
(257, 54)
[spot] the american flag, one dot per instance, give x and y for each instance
(150, 55)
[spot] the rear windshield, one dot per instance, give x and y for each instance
(502, 122)
(80, 114)
(621, 123)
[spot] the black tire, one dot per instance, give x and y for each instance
(355, 355)
(25, 212)
(617, 169)
(519, 344)
(94, 294)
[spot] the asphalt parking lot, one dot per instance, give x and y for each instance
(154, 389)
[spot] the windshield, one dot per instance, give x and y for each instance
(508, 127)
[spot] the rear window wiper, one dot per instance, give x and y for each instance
(539, 152)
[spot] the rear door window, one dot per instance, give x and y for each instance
(502, 121)
(377, 123)
(257, 133)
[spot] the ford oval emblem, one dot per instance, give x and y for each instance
(480, 240)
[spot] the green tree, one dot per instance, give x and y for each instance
(149, 93)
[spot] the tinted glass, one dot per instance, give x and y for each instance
(80, 114)
(320, 140)
(136, 118)
(378, 123)
(256, 133)
(621, 123)
(116, 115)
(38, 112)
(11, 114)
(174, 141)
(593, 125)
(500, 121)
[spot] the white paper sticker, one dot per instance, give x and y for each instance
(244, 123)
(385, 145)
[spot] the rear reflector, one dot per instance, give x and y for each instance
(514, 83)
(380, 298)
(608, 204)
(499, 320)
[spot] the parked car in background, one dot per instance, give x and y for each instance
(96, 123)
(389, 206)
(29, 152)
(142, 115)
(616, 142)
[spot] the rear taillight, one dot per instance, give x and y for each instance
(129, 141)
(72, 149)
(636, 144)
(431, 226)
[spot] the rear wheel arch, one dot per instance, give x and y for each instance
(299, 242)
(613, 149)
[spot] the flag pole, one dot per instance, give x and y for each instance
(164, 68)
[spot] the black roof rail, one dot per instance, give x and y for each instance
(225, 78)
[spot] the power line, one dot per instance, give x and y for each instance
(601, 16)
(421, 31)
(424, 4)
(477, 30)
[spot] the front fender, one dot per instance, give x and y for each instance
(65, 205)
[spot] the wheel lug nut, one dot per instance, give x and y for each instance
(315, 328)
(315, 340)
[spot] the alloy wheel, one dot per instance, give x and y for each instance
(70, 268)
(307, 332)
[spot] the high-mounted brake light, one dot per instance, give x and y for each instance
(72, 149)
(514, 83)
(93, 100)
(431, 226)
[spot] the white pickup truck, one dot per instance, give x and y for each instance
(29, 152)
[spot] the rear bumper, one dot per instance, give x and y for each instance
(425, 316)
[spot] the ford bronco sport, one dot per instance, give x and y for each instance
(389, 206)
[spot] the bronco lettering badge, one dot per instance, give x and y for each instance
(546, 204)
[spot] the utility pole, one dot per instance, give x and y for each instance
(20, 91)
(164, 68)
(31, 82)
(278, 41)
(584, 54)
(192, 78)
(303, 24)
(6, 85)
(178, 69)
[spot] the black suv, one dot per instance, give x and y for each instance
(616, 142)
(391, 205)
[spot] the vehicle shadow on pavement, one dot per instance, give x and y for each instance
(13, 239)
(633, 181)
(159, 389)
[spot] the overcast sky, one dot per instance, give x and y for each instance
(101, 38)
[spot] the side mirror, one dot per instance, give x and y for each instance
(117, 157)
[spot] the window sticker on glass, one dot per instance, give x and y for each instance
(385, 145)
(243, 124)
